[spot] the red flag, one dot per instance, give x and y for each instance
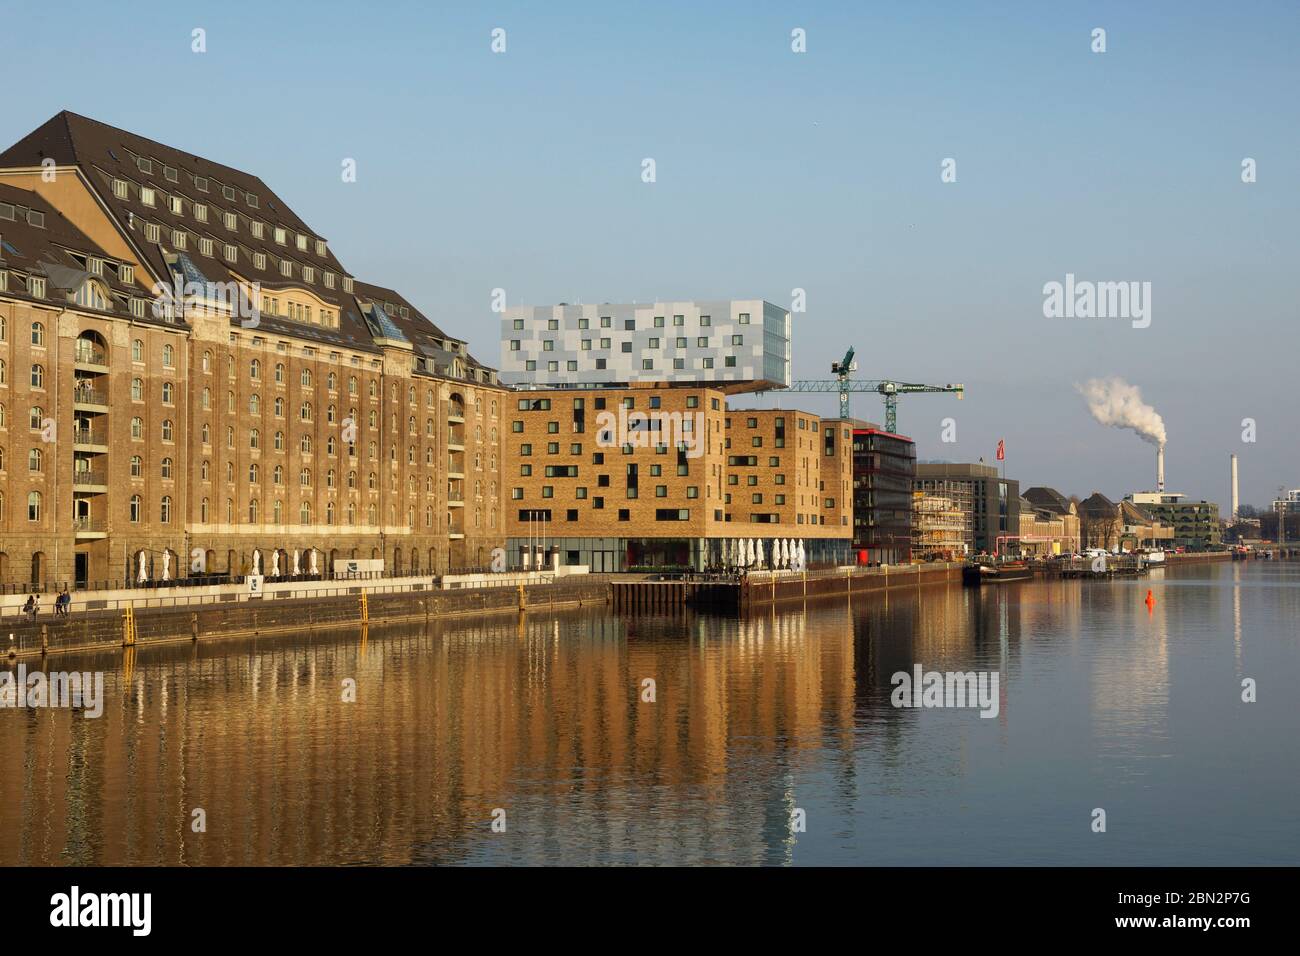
(1002, 450)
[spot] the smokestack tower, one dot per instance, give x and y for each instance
(1160, 467)
(1234, 489)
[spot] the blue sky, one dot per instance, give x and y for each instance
(777, 171)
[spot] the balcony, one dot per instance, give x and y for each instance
(83, 395)
(90, 439)
(90, 479)
(89, 528)
(90, 357)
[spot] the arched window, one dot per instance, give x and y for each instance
(137, 506)
(279, 441)
(167, 429)
(203, 471)
(329, 513)
(255, 369)
(207, 361)
(305, 378)
(279, 407)
(34, 506)
(38, 376)
(169, 356)
(304, 477)
(166, 468)
(277, 512)
(137, 466)
(137, 350)
(277, 475)
(255, 404)
(203, 510)
(35, 416)
(279, 372)
(254, 473)
(165, 510)
(254, 439)
(206, 433)
(168, 393)
(38, 333)
(304, 513)
(252, 511)
(35, 460)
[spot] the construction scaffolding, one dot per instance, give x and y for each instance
(941, 528)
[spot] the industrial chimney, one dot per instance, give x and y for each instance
(1160, 467)
(1234, 489)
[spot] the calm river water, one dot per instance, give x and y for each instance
(1102, 704)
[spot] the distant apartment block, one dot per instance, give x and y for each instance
(734, 346)
(991, 501)
(657, 476)
(884, 466)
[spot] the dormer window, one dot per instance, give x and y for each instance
(120, 189)
(126, 273)
(177, 207)
(152, 233)
(347, 283)
(259, 260)
(328, 278)
(178, 238)
(92, 295)
(228, 192)
(256, 229)
(201, 212)
(201, 183)
(145, 166)
(308, 274)
(232, 252)
(36, 287)
(36, 219)
(251, 200)
(281, 236)
(170, 173)
(286, 267)
(231, 220)
(146, 195)
(302, 243)
(95, 266)
(205, 246)
(320, 247)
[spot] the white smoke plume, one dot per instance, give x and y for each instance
(1116, 403)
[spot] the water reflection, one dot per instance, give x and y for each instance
(545, 719)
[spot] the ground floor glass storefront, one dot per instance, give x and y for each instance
(603, 555)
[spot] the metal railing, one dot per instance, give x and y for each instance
(89, 524)
(89, 396)
(92, 477)
(89, 436)
(89, 355)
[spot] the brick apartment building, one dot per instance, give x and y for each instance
(185, 435)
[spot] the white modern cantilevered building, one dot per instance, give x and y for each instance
(738, 345)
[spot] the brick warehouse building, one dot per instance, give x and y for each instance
(628, 456)
(337, 423)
